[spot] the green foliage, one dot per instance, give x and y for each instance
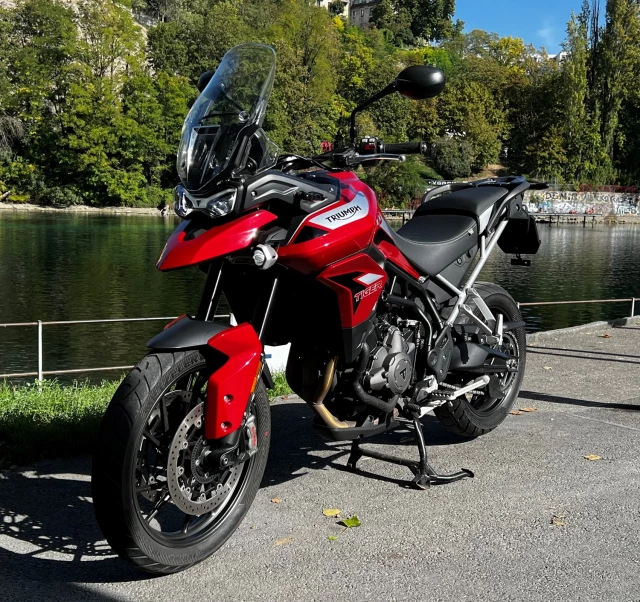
(91, 107)
(454, 158)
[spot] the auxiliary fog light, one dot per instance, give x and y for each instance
(264, 256)
(182, 205)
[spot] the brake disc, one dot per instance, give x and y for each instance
(192, 490)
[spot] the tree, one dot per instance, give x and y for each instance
(429, 20)
(336, 7)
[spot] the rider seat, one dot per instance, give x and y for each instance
(444, 229)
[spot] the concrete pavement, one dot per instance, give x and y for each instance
(490, 538)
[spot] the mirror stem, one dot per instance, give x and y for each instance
(390, 89)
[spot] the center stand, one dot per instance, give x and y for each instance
(424, 475)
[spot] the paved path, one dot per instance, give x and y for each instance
(485, 539)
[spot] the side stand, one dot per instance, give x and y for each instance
(424, 475)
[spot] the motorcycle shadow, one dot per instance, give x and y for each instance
(296, 448)
(49, 539)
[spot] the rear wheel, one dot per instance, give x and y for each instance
(480, 412)
(161, 498)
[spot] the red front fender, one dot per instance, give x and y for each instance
(230, 387)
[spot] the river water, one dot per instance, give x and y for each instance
(80, 267)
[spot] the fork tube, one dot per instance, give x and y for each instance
(212, 292)
(274, 290)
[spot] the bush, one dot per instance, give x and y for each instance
(62, 196)
(454, 158)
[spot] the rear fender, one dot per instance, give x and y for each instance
(231, 385)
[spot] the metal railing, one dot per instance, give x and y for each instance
(41, 373)
(632, 300)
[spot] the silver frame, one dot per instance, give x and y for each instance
(487, 245)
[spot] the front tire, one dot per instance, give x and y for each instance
(158, 404)
(471, 419)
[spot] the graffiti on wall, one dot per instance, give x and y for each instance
(603, 203)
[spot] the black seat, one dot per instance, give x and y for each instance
(433, 242)
(470, 201)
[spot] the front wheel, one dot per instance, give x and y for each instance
(480, 412)
(161, 498)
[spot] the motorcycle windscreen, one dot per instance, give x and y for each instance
(232, 105)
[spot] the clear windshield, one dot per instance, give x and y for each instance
(230, 108)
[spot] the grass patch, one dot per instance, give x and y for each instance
(281, 386)
(59, 420)
(56, 420)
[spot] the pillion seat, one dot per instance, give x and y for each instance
(445, 228)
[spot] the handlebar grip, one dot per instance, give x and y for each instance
(405, 148)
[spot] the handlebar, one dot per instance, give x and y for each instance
(405, 148)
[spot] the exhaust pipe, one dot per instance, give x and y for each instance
(317, 400)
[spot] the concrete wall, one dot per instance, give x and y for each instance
(605, 203)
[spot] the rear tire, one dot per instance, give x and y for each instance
(459, 416)
(117, 460)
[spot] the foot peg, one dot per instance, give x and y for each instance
(424, 475)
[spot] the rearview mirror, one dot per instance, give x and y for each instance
(205, 78)
(420, 82)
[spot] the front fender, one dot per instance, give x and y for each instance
(234, 381)
(230, 387)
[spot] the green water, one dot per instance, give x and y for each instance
(75, 267)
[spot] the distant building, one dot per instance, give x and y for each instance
(559, 58)
(326, 3)
(360, 12)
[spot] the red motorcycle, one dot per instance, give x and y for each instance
(385, 327)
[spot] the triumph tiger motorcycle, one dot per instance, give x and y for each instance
(385, 327)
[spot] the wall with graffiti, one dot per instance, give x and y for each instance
(602, 203)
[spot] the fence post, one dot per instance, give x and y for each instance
(40, 351)
(633, 307)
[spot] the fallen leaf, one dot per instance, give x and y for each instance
(606, 336)
(516, 413)
(528, 410)
(333, 538)
(331, 512)
(558, 520)
(276, 500)
(352, 522)
(283, 541)
(548, 368)
(592, 458)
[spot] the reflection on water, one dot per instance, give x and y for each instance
(73, 267)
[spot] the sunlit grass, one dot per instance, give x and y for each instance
(59, 420)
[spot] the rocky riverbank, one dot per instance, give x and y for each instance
(30, 207)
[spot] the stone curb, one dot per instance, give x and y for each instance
(592, 327)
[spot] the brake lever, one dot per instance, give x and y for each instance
(358, 159)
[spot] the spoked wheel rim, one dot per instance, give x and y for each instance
(180, 500)
(484, 403)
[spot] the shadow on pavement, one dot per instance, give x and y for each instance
(49, 539)
(592, 352)
(294, 443)
(535, 351)
(579, 402)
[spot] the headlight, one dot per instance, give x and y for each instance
(222, 203)
(182, 205)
